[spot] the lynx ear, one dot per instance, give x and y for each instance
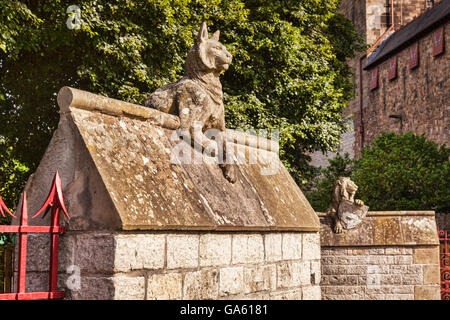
(203, 33)
(216, 35)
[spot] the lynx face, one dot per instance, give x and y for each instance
(218, 55)
(351, 186)
(212, 53)
(347, 188)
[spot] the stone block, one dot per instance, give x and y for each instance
(93, 288)
(400, 296)
(295, 294)
(292, 274)
(166, 286)
(200, 285)
(358, 270)
(231, 281)
(129, 287)
(332, 269)
(357, 252)
(311, 293)
(39, 246)
(390, 279)
(247, 249)
(292, 246)
(260, 278)
(431, 274)
(381, 260)
(419, 230)
(35, 281)
(315, 272)
(375, 251)
(272, 246)
(430, 292)
(426, 255)
(215, 250)
(387, 231)
(94, 253)
(375, 296)
(136, 252)
(401, 269)
(360, 260)
(394, 251)
(412, 279)
(404, 259)
(182, 251)
(311, 246)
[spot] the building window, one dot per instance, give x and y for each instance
(438, 41)
(374, 78)
(414, 55)
(392, 68)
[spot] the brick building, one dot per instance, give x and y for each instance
(415, 97)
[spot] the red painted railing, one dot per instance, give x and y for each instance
(444, 238)
(55, 201)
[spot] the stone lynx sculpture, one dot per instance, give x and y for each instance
(345, 211)
(197, 97)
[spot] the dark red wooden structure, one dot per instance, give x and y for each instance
(53, 203)
(444, 238)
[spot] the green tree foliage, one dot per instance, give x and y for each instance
(288, 73)
(404, 172)
(13, 176)
(397, 172)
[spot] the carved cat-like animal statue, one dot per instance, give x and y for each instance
(344, 189)
(197, 97)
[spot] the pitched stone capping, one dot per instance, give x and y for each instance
(74, 98)
(384, 228)
(122, 154)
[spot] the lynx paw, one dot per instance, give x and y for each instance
(338, 227)
(359, 202)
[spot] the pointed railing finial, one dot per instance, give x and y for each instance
(4, 208)
(55, 197)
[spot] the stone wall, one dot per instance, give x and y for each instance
(407, 92)
(124, 265)
(380, 273)
(420, 95)
(389, 256)
(143, 226)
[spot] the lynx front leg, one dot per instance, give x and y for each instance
(337, 223)
(227, 169)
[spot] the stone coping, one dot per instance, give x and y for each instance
(384, 228)
(118, 169)
(74, 98)
(392, 213)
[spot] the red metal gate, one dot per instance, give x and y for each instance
(55, 201)
(444, 238)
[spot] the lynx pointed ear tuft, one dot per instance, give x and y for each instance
(203, 33)
(216, 35)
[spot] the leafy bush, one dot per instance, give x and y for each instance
(404, 172)
(397, 172)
